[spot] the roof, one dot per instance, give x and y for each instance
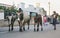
(2, 4)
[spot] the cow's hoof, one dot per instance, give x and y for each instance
(9, 30)
(54, 28)
(37, 29)
(34, 29)
(28, 28)
(24, 29)
(20, 30)
(41, 29)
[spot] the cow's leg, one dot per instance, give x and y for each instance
(12, 26)
(20, 26)
(8, 23)
(12, 23)
(41, 27)
(28, 24)
(37, 26)
(34, 26)
(21, 29)
(24, 26)
(9, 27)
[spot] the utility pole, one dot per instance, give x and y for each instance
(49, 7)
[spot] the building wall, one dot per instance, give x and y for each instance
(1, 14)
(1, 4)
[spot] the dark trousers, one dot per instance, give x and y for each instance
(54, 21)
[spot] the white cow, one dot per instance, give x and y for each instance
(26, 19)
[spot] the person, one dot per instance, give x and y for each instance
(45, 20)
(54, 15)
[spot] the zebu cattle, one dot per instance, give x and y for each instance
(11, 20)
(25, 19)
(38, 21)
(22, 20)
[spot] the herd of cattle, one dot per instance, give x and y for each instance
(22, 21)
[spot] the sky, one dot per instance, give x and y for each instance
(54, 4)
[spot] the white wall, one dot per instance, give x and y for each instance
(1, 15)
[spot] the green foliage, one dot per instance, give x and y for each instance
(2, 7)
(10, 9)
(13, 9)
(59, 17)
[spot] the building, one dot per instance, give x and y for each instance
(32, 9)
(6, 5)
(2, 13)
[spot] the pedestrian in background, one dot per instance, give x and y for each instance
(54, 15)
(45, 20)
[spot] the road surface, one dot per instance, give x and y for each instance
(48, 32)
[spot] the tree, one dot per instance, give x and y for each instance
(13, 9)
(2, 7)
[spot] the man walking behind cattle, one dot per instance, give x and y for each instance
(54, 15)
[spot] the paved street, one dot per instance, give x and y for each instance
(48, 32)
